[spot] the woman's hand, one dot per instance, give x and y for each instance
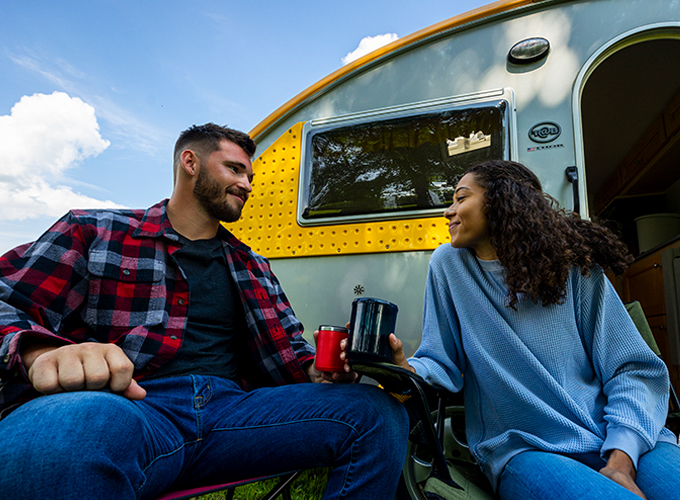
(620, 469)
(398, 357)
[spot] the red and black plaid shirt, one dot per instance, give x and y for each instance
(109, 276)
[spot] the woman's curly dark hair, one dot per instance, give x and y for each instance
(536, 241)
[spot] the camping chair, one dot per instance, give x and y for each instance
(282, 488)
(634, 308)
(438, 462)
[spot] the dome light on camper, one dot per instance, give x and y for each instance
(529, 50)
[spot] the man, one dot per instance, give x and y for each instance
(168, 355)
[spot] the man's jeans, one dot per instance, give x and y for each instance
(201, 430)
(536, 475)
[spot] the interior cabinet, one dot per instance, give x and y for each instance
(643, 281)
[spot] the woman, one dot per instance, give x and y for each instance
(563, 397)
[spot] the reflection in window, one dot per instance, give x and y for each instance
(400, 164)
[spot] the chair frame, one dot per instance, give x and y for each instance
(282, 488)
(401, 381)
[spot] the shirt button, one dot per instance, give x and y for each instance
(180, 302)
(126, 272)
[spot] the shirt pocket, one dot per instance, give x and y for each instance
(124, 292)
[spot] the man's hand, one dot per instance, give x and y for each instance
(332, 377)
(620, 469)
(329, 377)
(81, 367)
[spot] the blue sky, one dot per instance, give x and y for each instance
(94, 93)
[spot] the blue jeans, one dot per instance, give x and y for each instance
(197, 430)
(548, 476)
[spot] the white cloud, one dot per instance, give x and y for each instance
(42, 137)
(369, 44)
(125, 125)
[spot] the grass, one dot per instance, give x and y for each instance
(307, 486)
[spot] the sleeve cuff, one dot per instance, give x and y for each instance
(625, 439)
(436, 374)
(33, 336)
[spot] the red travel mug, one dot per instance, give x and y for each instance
(328, 348)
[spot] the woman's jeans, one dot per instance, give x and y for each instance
(197, 430)
(548, 476)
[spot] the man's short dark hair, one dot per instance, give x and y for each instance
(206, 138)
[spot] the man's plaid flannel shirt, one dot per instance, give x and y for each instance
(109, 276)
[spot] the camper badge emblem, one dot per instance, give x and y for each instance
(545, 132)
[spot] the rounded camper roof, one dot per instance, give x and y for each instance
(474, 16)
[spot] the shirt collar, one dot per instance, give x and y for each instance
(155, 224)
(490, 265)
(231, 240)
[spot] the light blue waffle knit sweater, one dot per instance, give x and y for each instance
(575, 378)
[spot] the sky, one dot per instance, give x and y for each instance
(94, 93)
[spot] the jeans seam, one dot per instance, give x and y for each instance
(288, 423)
(526, 484)
(199, 403)
(158, 458)
(342, 491)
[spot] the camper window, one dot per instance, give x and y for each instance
(398, 165)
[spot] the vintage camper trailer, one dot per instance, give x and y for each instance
(353, 173)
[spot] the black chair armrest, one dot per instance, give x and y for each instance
(402, 382)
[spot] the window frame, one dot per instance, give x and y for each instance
(317, 126)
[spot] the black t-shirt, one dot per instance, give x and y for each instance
(215, 313)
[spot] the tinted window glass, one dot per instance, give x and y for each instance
(400, 164)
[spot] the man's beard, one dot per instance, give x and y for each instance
(213, 198)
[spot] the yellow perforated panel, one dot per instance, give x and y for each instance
(269, 225)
